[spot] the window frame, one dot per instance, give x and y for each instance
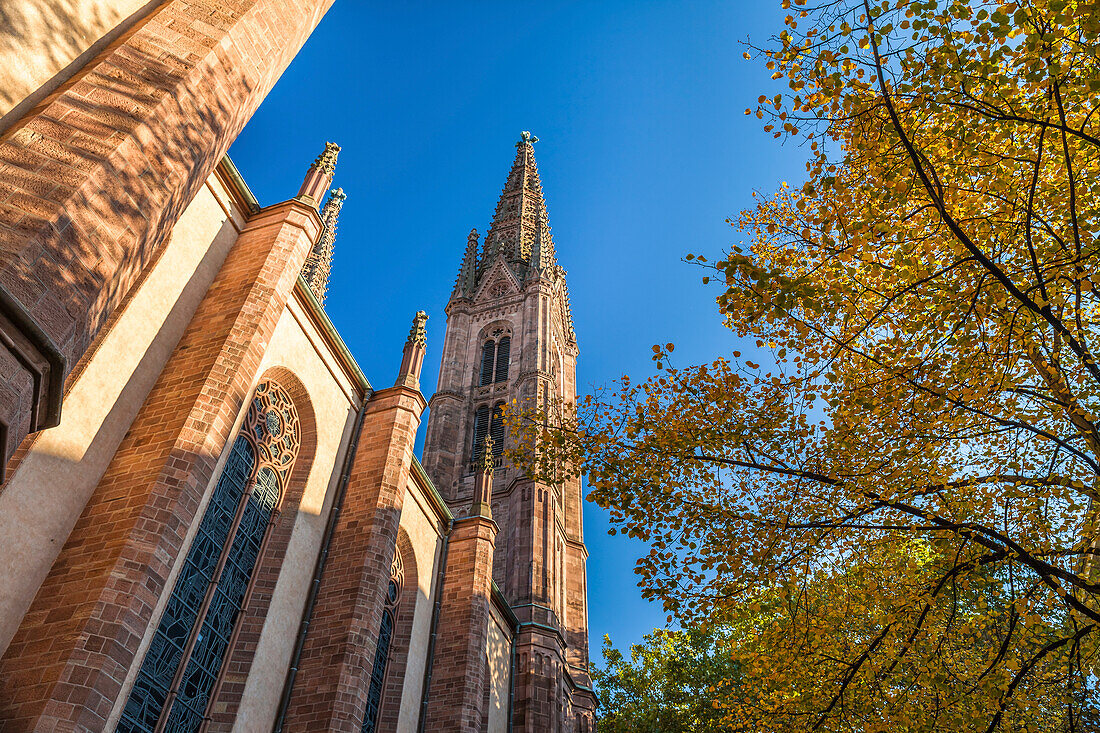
(272, 434)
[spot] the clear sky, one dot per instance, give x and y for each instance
(645, 151)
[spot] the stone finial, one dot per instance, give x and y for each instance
(318, 265)
(319, 176)
(326, 161)
(485, 462)
(412, 360)
(418, 334)
(526, 138)
(483, 481)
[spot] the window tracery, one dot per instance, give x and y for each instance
(385, 640)
(184, 659)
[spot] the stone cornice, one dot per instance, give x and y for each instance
(446, 394)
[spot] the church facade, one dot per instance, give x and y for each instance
(210, 518)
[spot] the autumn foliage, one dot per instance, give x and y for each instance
(897, 507)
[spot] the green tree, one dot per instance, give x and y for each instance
(667, 685)
(900, 499)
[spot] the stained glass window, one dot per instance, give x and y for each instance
(184, 659)
(385, 641)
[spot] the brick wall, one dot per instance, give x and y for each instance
(93, 178)
(330, 691)
(66, 664)
(459, 691)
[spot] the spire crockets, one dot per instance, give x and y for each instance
(319, 177)
(467, 274)
(318, 264)
(520, 224)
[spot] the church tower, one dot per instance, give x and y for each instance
(510, 335)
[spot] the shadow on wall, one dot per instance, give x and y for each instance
(46, 493)
(136, 149)
(44, 42)
(499, 660)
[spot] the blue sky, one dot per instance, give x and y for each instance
(645, 151)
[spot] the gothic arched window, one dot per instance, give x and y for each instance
(185, 657)
(385, 639)
(488, 351)
(481, 426)
(503, 349)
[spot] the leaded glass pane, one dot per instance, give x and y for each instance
(269, 438)
(217, 628)
(378, 673)
(161, 662)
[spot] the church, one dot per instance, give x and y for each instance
(210, 518)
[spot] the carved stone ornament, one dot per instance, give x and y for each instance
(326, 161)
(485, 463)
(418, 334)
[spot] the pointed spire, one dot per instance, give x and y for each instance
(520, 227)
(318, 264)
(467, 273)
(319, 176)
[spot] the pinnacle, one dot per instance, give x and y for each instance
(318, 264)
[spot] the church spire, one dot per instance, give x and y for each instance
(520, 230)
(467, 273)
(318, 264)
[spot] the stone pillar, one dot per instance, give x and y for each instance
(65, 666)
(330, 690)
(458, 693)
(94, 178)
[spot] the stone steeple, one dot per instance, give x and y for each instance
(521, 228)
(318, 265)
(510, 339)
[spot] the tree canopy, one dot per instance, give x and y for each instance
(664, 685)
(898, 505)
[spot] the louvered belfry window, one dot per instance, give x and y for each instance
(503, 349)
(481, 426)
(182, 665)
(487, 361)
(496, 429)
